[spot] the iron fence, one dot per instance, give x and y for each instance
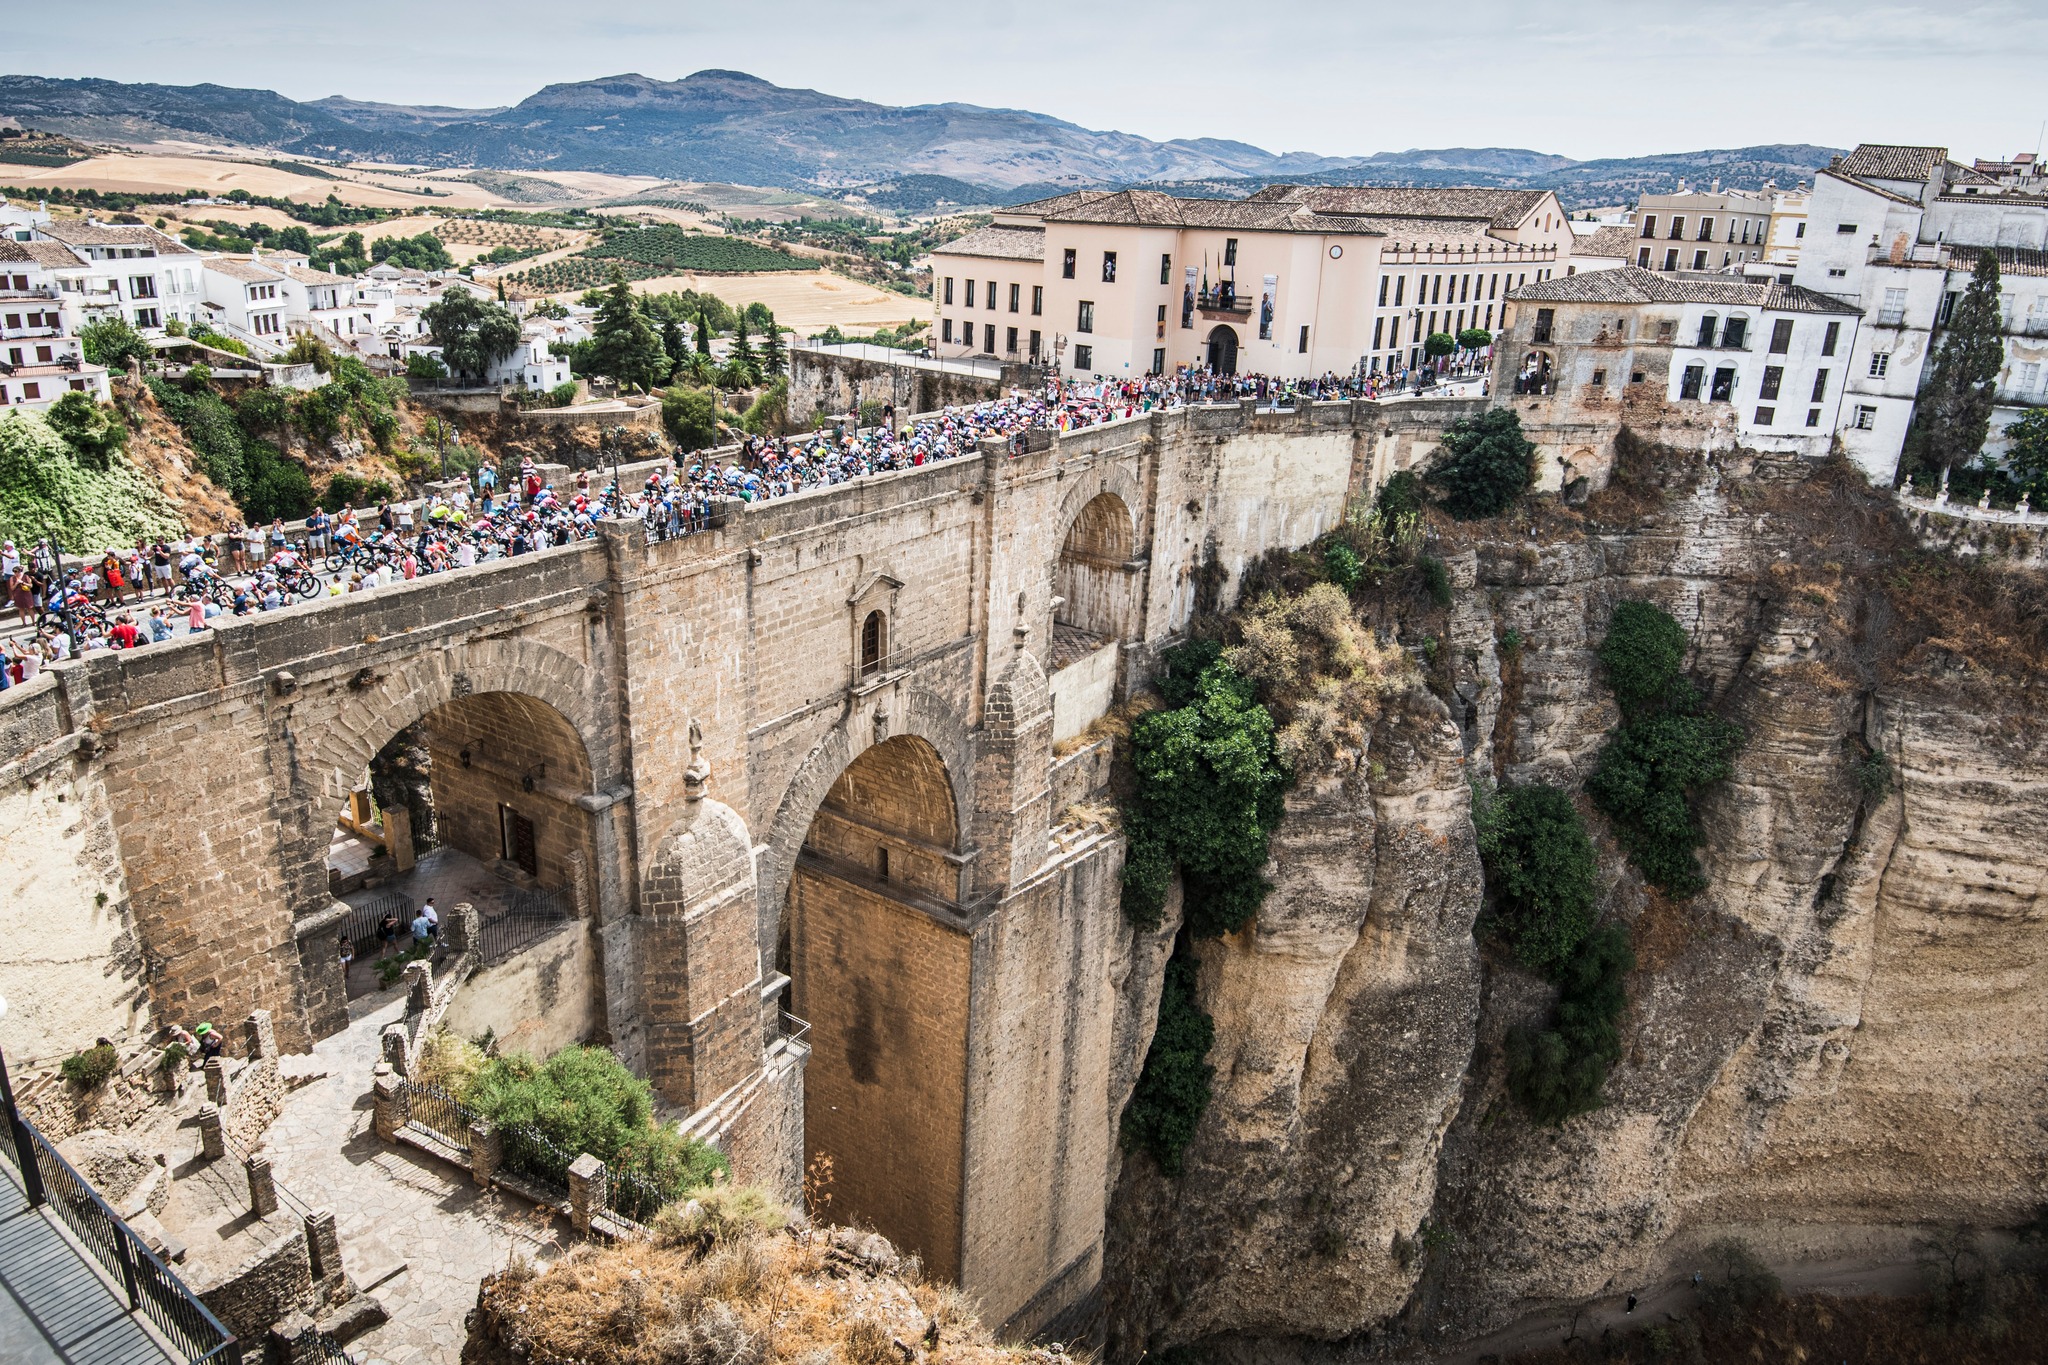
(153, 1291)
(528, 917)
(532, 1154)
(438, 1114)
(331, 1352)
(362, 920)
(631, 1196)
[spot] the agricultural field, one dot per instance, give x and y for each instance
(671, 249)
(808, 301)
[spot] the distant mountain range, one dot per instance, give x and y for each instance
(729, 126)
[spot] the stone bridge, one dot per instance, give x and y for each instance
(818, 759)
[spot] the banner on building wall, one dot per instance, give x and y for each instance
(1187, 299)
(1272, 287)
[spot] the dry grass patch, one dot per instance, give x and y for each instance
(730, 1285)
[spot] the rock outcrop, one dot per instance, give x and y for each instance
(1826, 1051)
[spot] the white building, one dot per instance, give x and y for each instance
(1897, 232)
(41, 358)
(134, 272)
(1763, 361)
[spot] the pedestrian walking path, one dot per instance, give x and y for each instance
(54, 1306)
(396, 1207)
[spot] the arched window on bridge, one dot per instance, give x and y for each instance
(874, 643)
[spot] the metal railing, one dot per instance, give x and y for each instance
(631, 1196)
(528, 917)
(153, 1291)
(362, 920)
(531, 1153)
(438, 1114)
(795, 1032)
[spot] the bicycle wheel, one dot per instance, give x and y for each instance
(307, 586)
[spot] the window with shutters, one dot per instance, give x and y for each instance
(1834, 335)
(1084, 318)
(1230, 251)
(1766, 416)
(1689, 385)
(949, 289)
(1016, 297)
(1084, 357)
(1781, 336)
(1820, 385)
(1649, 225)
(1166, 269)
(1774, 379)
(1037, 300)
(970, 293)
(1892, 312)
(1880, 362)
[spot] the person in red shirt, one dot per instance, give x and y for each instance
(124, 633)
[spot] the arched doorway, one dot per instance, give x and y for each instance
(477, 801)
(1223, 350)
(878, 959)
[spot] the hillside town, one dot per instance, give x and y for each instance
(618, 829)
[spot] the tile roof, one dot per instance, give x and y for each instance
(1502, 208)
(78, 232)
(1610, 239)
(2012, 260)
(53, 254)
(246, 271)
(308, 275)
(1958, 174)
(1152, 208)
(997, 242)
(1057, 202)
(1886, 161)
(1632, 284)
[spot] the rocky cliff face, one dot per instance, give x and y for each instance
(1826, 1050)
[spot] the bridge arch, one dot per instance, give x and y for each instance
(503, 750)
(879, 959)
(919, 713)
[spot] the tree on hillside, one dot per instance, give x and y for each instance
(774, 354)
(742, 349)
(473, 334)
(672, 343)
(111, 342)
(1484, 464)
(1953, 414)
(703, 330)
(622, 344)
(691, 416)
(295, 238)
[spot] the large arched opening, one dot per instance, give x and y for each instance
(480, 800)
(1095, 586)
(878, 958)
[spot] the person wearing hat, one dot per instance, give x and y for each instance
(209, 1042)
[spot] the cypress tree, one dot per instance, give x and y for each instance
(1953, 413)
(774, 355)
(703, 332)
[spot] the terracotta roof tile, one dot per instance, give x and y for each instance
(78, 232)
(1887, 161)
(999, 243)
(1632, 284)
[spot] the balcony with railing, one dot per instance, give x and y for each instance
(80, 1285)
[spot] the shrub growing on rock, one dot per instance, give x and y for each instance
(1665, 750)
(1540, 870)
(88, 1070)
(1485, 465)
(1173, 1089)
(1208, 798)
(1561, 1070)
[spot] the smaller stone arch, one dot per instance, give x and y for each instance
(921, 714)
(1096, 577)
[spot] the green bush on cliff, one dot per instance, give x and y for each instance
(1173, 1089)
(1207, 800)
(1485, 465)
(1540, 871)
(1665, 750)
(1561, 1070)
(46, 490)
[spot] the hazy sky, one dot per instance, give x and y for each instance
(1586, 79)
